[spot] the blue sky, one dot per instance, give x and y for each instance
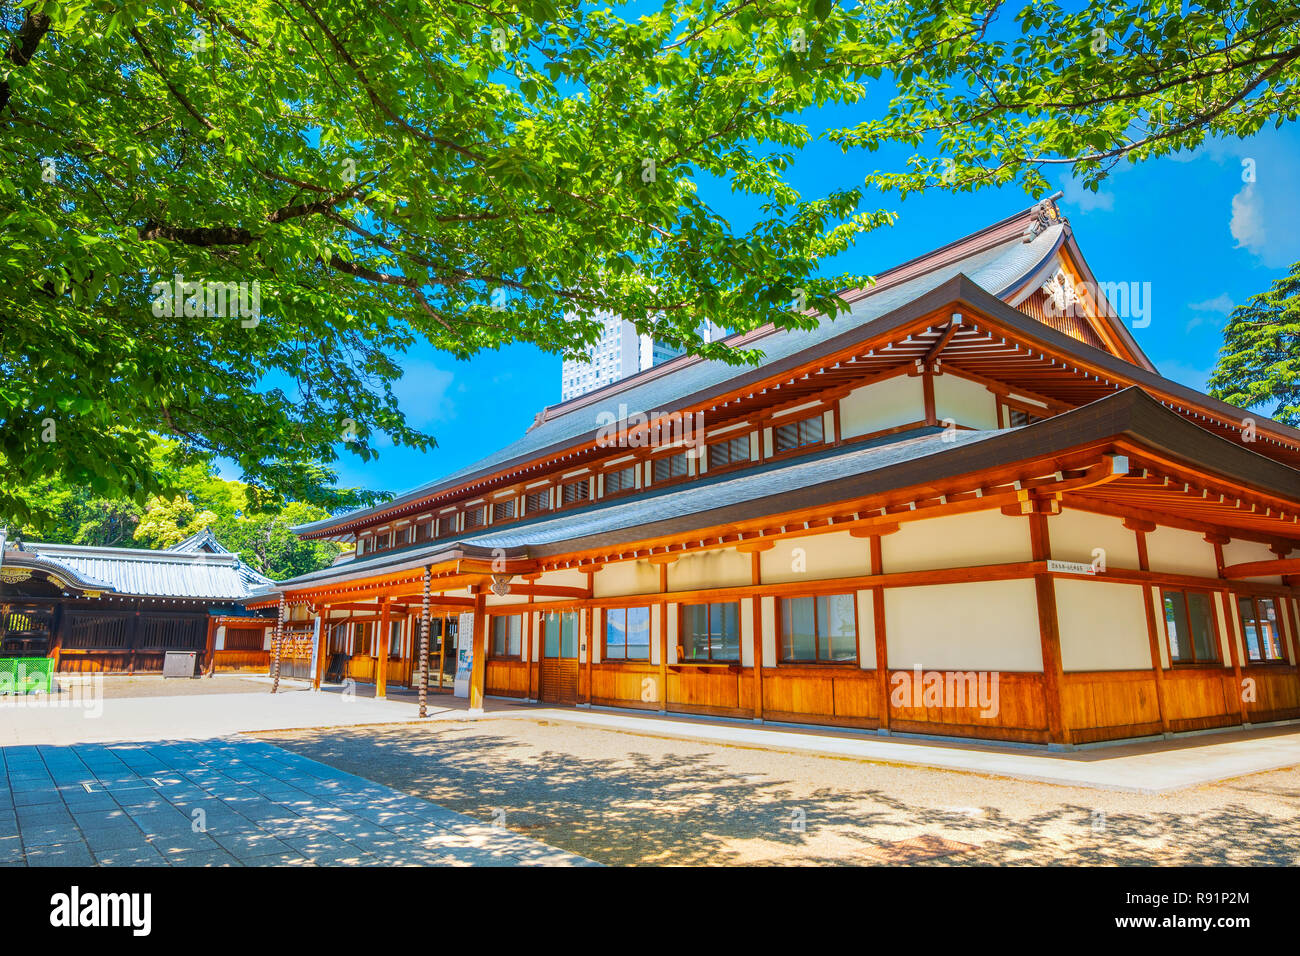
(1204, 238)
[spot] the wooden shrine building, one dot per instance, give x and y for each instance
(971, 506)
(120, 610)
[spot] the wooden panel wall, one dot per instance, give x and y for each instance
(1021, 712)
(625, 684)
(839, 696)
(1110, 705)
(723, 690)
(242, 660)
(506, 678)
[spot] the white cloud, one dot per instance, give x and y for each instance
(1221, 304)
(1247, 223)
(1085, 200)
(1210, 310)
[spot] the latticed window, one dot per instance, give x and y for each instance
(797, 434)
(446, 525)
(423, 531)
(669, 468)
(622, 480)
(475, 517)
(537, 501)
(575, 491)
(503, 510)
(729, 452)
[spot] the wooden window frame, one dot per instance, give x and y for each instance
(545, 494)
(631, 489)
(482, 523)
(400, 624)
(492, 637)
(577, 502)
(513, 503)
(737, 463)
(710, 661)
(1007, 405)
(1187, 631)
(817, 661)
(685, 455)
(1254, 600)
(604, 635)
(797, 449)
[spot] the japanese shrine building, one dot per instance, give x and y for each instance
(970, 507)
(120, 610)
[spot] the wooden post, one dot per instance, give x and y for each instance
(478, 669)
(322, 648)
(276, 644)
(756, 579)
(663, 641)
(424, 646)
(209, 646)
(1049, 632)
(882, 645)
(1153, 639)
(381, 650)
(588, 623)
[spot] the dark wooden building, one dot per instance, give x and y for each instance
(120, 610)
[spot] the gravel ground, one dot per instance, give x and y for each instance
(627, 799)
(118, 686)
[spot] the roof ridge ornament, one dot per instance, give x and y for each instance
(1045, 214)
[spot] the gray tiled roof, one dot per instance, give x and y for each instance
(146, 573)
(706, 494)
(995, 269)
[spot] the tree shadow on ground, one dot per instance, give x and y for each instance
(691, 808)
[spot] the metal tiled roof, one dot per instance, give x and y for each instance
(996, 269)
(146, 573)
(705, 495)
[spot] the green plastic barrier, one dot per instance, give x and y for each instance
(26, 675)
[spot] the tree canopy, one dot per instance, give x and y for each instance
(365, 175)
(225, 220)
(1259, 364)
(194, 497)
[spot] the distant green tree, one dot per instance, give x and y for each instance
(1259, 364)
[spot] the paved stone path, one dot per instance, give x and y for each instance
(228, 802)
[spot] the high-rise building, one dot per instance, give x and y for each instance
(621, 351)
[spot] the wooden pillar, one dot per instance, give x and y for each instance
(756, 579)
(1049, 632)
(478, 670)
(424, 646)
(322, 647)
(589, 625)
(882, 645)
(381, 650)
(663, 641)
(277, 643)
(209, 647)
(1153, 634)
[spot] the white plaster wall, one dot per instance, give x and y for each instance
(1162, 638)
(1074, 534)
(767, 607)
(747, 632)
(656, 615)
(1103, 626)
(866, 629)
(955, 541)
(672, 633)
(986, 625)
(895, 401)
(626, 577)
(1175, 551)
(1237, 551)
(965, 402)
(724, 568)
(1228, 635)
(834, 555)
